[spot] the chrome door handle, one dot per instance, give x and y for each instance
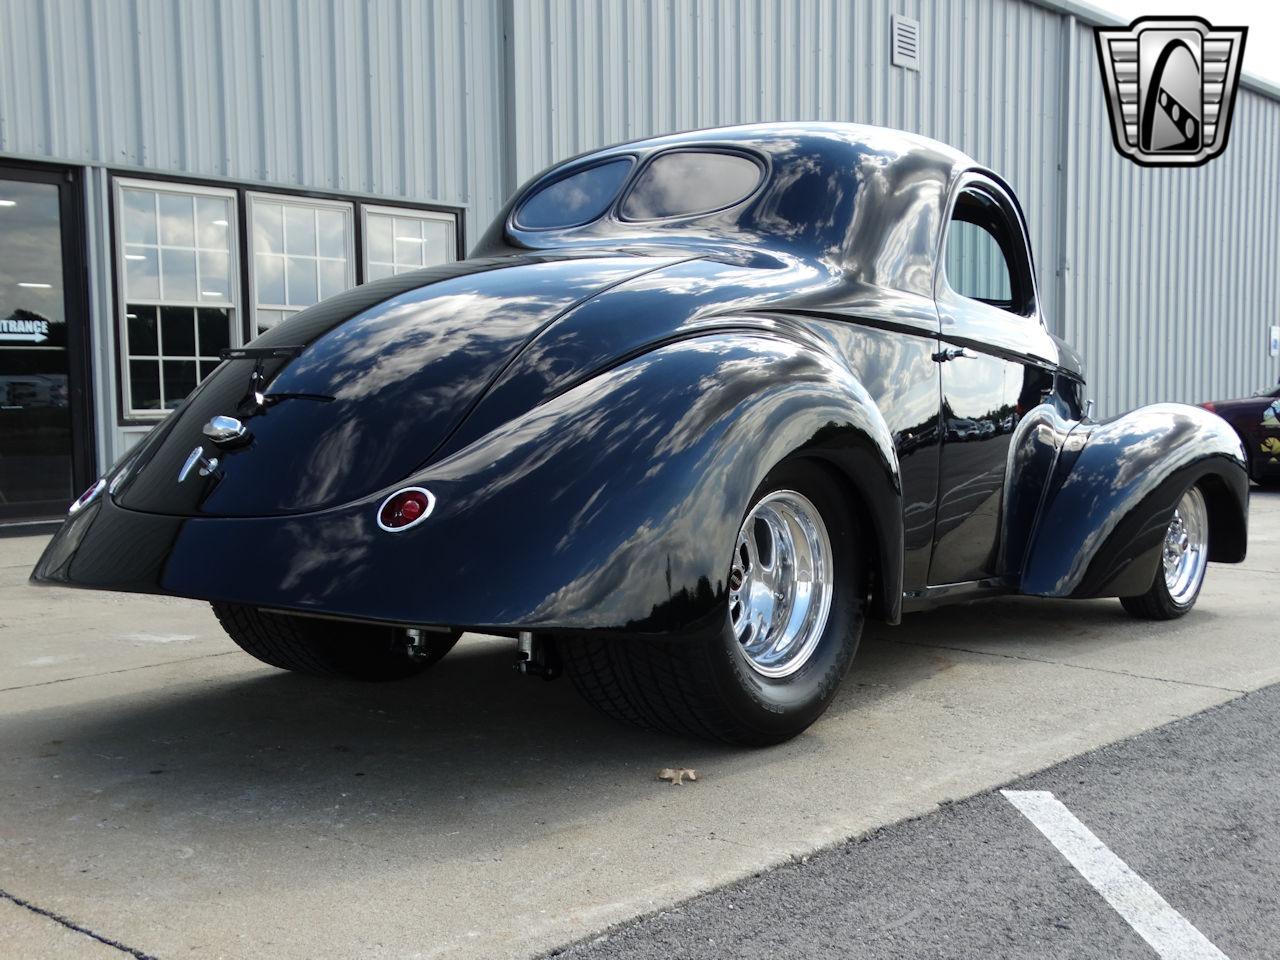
(954, 353)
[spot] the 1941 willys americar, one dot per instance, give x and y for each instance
(696, 408)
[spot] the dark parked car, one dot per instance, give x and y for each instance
(696, 409)
(1257, 420)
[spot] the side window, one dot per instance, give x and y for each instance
(685, 183)
(986, 257)
(576, 199)
(976, 267)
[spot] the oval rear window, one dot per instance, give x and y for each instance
(689, 182)
(576, 199)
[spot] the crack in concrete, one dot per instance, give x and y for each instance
(108, 673)
(1073, 666)
(72, 925)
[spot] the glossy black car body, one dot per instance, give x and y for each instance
(592, 407)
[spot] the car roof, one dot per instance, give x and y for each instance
(854, 196)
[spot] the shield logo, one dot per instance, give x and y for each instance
(1171, 86)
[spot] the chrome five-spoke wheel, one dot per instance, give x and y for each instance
(780, 584)
(797, 585)
(1186, 548)
(1184, 557)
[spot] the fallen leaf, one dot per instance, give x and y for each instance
(677, 775)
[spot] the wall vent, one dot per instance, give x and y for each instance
(905, 42)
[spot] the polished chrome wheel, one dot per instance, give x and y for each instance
(1186, 547)
(780, 583)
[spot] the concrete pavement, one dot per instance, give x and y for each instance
(166, 792)
(1193, 807)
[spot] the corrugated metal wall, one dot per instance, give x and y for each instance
(398, 98)
(1173, 275)
(589, 74)
(1171, 279)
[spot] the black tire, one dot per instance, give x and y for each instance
(329, 648)
(1158, 603)
(707, 688)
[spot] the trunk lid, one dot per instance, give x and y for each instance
(379, 378)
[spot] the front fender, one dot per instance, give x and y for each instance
(612, 507)
(1113, 494)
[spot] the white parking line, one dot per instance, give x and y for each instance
(1170, 934)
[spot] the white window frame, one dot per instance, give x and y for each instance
(233, 304)
(406, 213)
(251, 199)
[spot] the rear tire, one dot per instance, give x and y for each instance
(1184, 559)
(726, 687)
(329, 648)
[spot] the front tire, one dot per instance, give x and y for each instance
(330, 648)
(796, 590)
(1183, 561)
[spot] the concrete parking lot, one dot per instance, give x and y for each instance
(162, 792)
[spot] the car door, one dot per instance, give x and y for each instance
(997, 363)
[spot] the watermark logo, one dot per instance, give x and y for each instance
(1170, 85)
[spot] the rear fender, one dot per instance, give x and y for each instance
(610, 508)
(639, 478)
(1113, 494)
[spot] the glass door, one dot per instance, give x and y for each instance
(39, 387)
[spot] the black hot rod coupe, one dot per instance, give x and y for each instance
(696, 408)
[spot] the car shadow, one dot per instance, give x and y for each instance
(469, 737)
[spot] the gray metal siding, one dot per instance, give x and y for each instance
(589, 74)
(1171, 276)
(1166, 280)
(395, 99)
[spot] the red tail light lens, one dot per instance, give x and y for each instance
(405, 508)
(1210, 407)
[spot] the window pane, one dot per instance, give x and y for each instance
(215, 276)
(333, 277)
(178, 273)
(142, 273)
(213, 217)
(689, 182)
(267, 319)
(333, 233)
(179, 380)
(268, 227)
(408, 251)
(178, 331)
(144, 384)
(376, 271)
(439, 240)
(215, 331)
(269, 277)
(379, 238)
(177, 226)
(299, 230)
(139, 216)
(577, 199)
(975, 264)
(408, 228)
(301, 282)
(142, 330)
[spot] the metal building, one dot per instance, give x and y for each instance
(176, 175)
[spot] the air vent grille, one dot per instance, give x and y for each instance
(905, 42)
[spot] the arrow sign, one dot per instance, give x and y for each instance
(24, 331)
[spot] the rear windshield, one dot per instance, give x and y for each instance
(689, 182)
(576, 199)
